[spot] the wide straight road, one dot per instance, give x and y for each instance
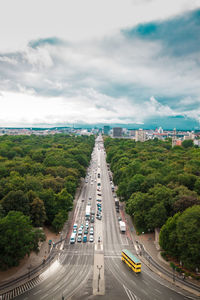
(94, 269)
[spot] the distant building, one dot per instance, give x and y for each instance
(117, 132)
(174, 138)
(178, 142)
(106, 130)
(160, 130)
(140, 135)
(189, 136)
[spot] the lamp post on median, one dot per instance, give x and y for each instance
(99, 277)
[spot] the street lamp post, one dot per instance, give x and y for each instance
(29, 270)
(99, 277)
(174, 275)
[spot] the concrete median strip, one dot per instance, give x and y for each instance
(98, 275)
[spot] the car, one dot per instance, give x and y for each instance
(92, 226)
(82, 226)
(90, 198)
(99, 209)
(91, 239)
(82, 200)
(86, 231)
(117, 209)
(84, 238)
(92, 220)
(99, 194)
(86, 223)
(92, 212)
(86, 181)
(75, 226)
(99, 204)
(75, 231)
(99, 200)
(89, 203)
(119, 218)
(98, 217)
(79, 239)
(80, 231)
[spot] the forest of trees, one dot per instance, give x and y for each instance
(38, 180)
(161, 188)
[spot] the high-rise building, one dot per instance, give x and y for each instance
(117, 132)
(106, 130)
(140, 135)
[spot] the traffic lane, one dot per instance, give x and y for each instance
(137, 284)
(74, 271)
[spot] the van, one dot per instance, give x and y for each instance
(73, 238)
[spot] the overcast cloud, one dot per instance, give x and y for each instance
(141, 61)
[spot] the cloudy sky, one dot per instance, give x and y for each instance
(99, 61)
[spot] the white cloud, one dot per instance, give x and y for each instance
(22, 21)
(87, 106)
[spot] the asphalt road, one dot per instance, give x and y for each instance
(92, 270)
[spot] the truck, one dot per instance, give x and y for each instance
(116, 202)
(122, 226)
(87, 212)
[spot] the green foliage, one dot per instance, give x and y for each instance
(188, 233)
(59, 220)
(180, 237)
(158, 183)
(38, 213)
(17, 238)
(187, 143)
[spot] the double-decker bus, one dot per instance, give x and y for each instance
(133, 262)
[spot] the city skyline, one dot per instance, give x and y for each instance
(133, 62)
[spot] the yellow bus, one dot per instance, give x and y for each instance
(133, 262)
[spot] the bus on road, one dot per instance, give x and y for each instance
(133, 262)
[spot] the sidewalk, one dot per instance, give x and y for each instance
(28, 263)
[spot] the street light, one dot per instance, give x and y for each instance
(29, 270)
(99, 277)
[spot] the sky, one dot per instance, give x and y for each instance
(87, 62)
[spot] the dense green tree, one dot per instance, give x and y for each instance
(16, 200)
(187, 143)
(156, 216)
(64, 200)
(59, 220)
(168, 236)
(188, 233)
(37, 212)
(17, 238)
(135, 184)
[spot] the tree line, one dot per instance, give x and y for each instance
(39, 176)
(161, 188)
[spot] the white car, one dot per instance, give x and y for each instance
(91, 239)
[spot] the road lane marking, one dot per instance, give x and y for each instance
(158, 291)
(130, 294)
(37, 292)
